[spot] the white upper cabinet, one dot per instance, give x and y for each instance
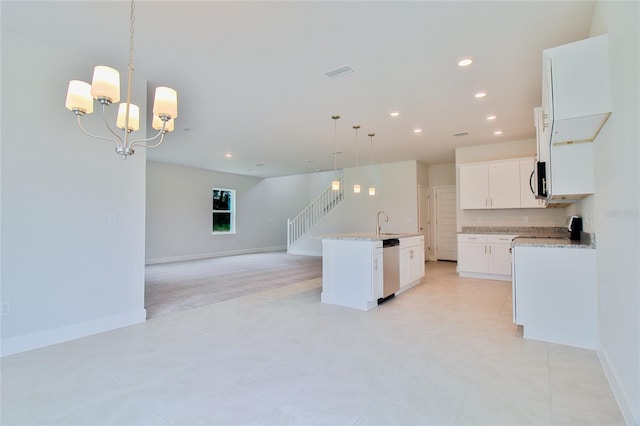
(576, 99)
(474, 186)
(493, 185)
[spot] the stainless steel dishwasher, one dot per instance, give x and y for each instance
(391, 268)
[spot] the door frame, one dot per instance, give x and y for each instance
(434, 234)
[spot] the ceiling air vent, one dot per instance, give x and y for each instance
(339, 72)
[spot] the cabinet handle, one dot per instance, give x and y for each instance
(472, 238)
(531, 182)
(486, 202)
(375, 264)
(411, 254)
(489, 248)
(485, 249)
(491, 202)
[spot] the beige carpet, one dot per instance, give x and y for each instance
(178, 286)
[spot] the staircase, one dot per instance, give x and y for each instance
(313, 213)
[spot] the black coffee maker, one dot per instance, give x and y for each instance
(574, 225)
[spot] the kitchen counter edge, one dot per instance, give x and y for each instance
(365, 236)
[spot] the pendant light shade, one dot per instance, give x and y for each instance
(335, 184)
(372, 189)
(356, 187)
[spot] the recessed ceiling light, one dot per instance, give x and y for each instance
(497, 132)
(228, 155)
(417, 130)
(480, 94)
(394, 114)
(491, 117)
(465, 62)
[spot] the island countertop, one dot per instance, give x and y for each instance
(365, 236)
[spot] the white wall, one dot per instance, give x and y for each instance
(504, 217)
(396, 194)
(179, 211)
(66, 270)
(613, 212)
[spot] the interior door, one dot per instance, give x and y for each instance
(446, 236)
(423, 218)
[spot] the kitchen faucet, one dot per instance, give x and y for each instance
(378, 227)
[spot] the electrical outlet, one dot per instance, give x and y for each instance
(5, 308)
(526, 219)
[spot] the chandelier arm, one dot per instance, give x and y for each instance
(106, 123)
(143, 142)
(115, 141)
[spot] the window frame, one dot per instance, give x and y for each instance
(231, 211)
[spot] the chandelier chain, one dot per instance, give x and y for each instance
(131, 33)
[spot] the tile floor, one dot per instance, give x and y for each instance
(444, 353)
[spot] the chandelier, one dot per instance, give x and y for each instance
(105, 88)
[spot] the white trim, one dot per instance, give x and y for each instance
(14, 345)
(306, 252)
(485, 276)
(618, 392)
(210, 255)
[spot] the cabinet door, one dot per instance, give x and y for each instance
(504, 185)
(376, 275)
(474, 186)
(472, 257)
(405, 266)
(499, 259)
(418, 263)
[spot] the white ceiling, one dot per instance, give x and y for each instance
(250, 75)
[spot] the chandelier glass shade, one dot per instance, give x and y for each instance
(105, 88)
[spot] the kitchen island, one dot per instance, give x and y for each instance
(353, 267)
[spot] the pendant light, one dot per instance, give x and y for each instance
(372, 189)
(335, 184)
(356, 186)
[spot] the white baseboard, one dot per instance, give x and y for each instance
(14, 345)
(618, 392)
(212, 255)
(306, 252)
(485, 276)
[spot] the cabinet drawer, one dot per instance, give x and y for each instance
(412, 241)
(500, 239)
(472, 238)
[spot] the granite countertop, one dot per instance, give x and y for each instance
(365, 236)
(551, 242)
(536, 236)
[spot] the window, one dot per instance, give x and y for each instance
(223, 211)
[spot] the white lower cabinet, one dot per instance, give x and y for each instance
(485, 256)
(555, 295)
(411, 261)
